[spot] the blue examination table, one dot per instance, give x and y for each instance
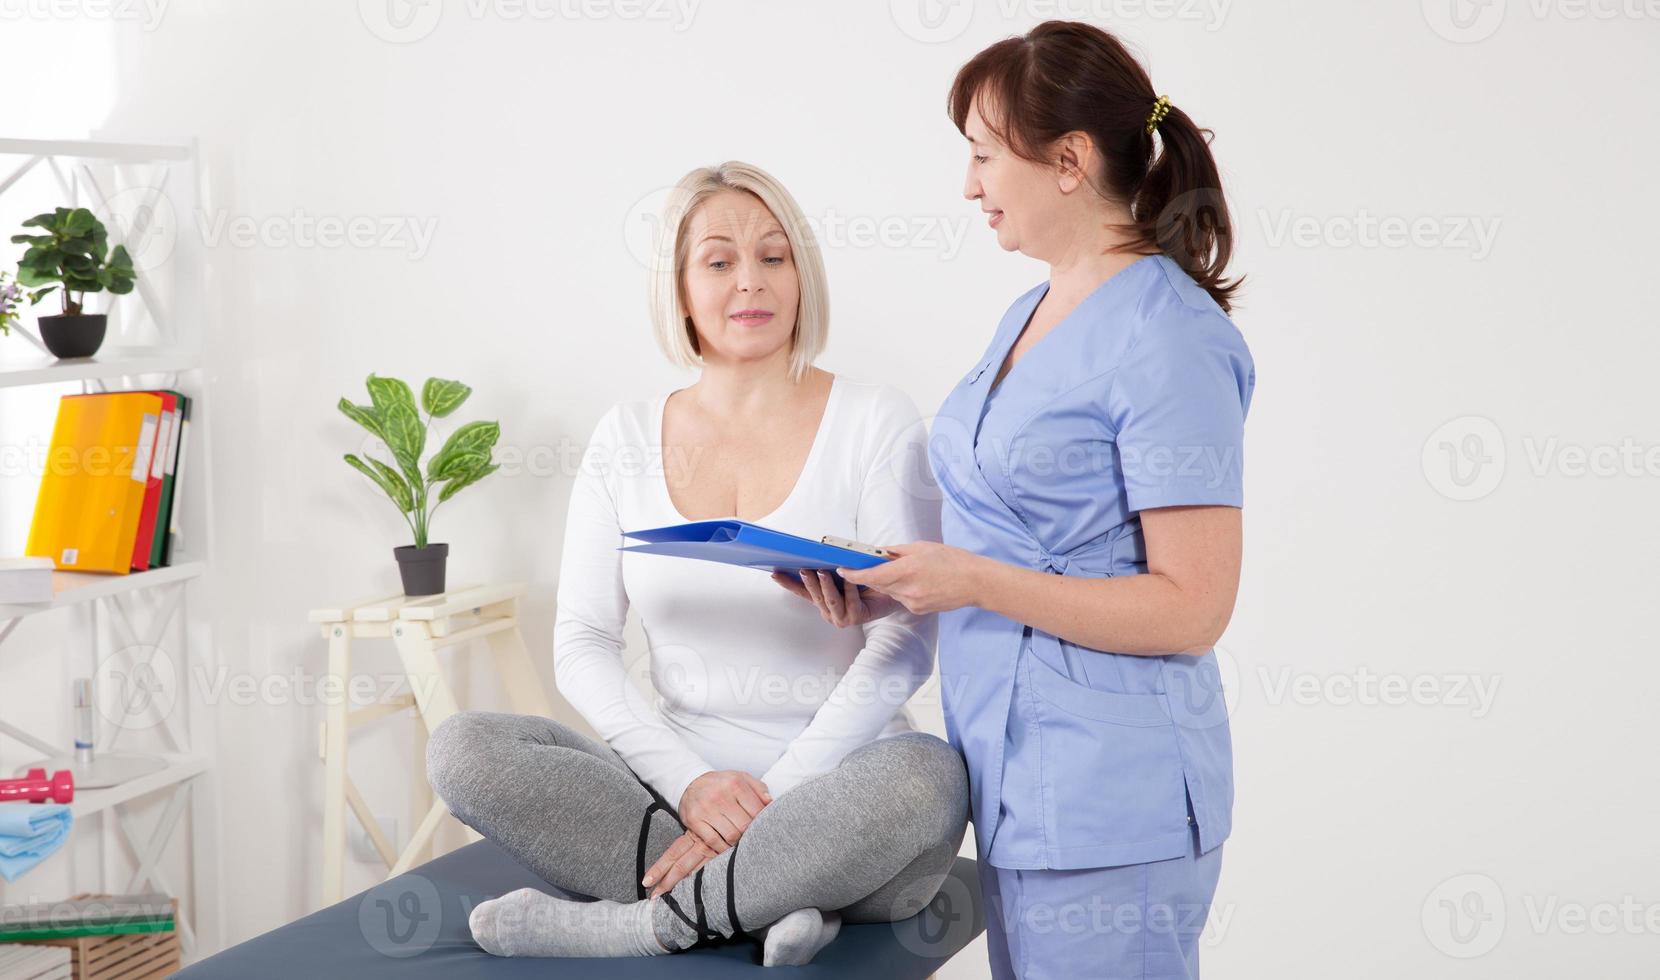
(414, 927)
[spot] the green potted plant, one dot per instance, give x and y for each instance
(73, 254)
(464, 459)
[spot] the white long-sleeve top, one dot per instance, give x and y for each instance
(746, 676)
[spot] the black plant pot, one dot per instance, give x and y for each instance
(74, 334)
(422, 568)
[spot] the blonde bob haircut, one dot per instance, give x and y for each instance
(670, 321)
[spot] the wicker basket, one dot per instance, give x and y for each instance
(129, 956)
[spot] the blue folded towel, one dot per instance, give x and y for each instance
(28, 833)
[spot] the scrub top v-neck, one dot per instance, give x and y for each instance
(1082, 758)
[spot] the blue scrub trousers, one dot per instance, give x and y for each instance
(1131, 922)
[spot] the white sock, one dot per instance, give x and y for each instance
(796, 938)
(532, 923)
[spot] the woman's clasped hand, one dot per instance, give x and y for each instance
(716, 809)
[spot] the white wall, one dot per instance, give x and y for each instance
(531, 147)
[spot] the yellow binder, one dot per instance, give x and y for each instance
(92, 494)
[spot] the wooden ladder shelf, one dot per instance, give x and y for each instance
(419, 627)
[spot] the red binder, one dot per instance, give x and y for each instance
(152, 482)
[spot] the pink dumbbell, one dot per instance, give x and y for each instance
(36, 788)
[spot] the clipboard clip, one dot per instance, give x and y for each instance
(851, 545)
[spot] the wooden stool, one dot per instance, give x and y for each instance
(419, 626)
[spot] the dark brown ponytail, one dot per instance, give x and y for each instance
(1065, 77)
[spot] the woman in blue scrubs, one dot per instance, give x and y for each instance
(1090, 469)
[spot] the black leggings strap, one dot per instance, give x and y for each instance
(731, 900)
(701, 925)
(697, 898)
(674, 906)
(699, 928)
(640, 852)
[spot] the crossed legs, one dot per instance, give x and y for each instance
(872, 839)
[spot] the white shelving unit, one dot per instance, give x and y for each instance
(179, 769)
(18, 370)
(159, 598)
(70, 588)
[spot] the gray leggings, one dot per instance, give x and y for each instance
(874, 838)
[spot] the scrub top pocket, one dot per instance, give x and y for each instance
(1111, 771)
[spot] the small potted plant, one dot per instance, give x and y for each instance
(393, 417)
(73, 254)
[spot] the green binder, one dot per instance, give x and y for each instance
(161, 549)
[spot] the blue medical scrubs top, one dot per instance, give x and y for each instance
(1083, 758)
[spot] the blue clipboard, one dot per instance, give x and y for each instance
(733, 542)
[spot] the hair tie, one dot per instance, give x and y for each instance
(1161, 108)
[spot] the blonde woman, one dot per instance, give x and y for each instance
(774, 733)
